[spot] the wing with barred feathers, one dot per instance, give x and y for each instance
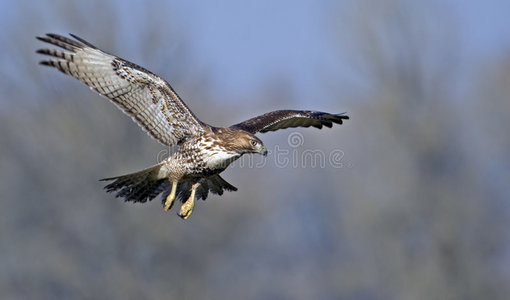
(282, 119)
(147, 98)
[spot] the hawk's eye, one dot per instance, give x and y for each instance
(253, 143)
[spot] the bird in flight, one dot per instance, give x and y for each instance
(203, 151)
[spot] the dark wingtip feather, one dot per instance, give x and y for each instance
(45, 63)
(328, 124)
(342, 116)
(41, 38)
(337, 118)
(82, 40)
(107, 179)
(60, 41)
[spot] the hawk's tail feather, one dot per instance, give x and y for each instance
(141, 186)
(146, 185)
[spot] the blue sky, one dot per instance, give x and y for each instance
(292, 39)
(250, 43)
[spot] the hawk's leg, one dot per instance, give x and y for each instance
(171, 197)
(187, 207)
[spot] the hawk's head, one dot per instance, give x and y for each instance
(241, 141)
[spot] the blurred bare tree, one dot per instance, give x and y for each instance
(426, 220)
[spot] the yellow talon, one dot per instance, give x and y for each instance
(187, 207)
(169, 202)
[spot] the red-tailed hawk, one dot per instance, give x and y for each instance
(203, 152)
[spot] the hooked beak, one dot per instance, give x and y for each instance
(263, 151)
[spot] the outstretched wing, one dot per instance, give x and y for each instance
(281, 119)
(144, 96)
